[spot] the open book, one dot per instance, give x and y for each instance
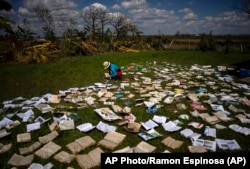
(148, 135)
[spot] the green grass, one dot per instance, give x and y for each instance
(38, 79)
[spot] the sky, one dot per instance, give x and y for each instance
(151, 17)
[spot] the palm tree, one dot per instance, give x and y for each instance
(24, 34)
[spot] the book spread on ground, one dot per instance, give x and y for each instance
(148, 135)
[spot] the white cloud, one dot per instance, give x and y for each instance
(116, 6)
(148, 17)
(51, 5)
(95, 6)
(56, 7)
(188, 14)
(23, 11)
(185, 10)
(99, 6)
(134, 4)
(11, 12)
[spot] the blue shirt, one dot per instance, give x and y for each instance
(113, 68)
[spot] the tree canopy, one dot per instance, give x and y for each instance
(5, 5)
